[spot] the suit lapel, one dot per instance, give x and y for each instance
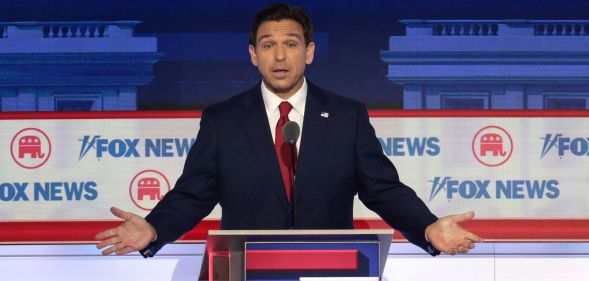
(315, 126)
(255, 122)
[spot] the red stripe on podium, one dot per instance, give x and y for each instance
(301, 260)
(489, 229)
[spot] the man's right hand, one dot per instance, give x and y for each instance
(134, 234)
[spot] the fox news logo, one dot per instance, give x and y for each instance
(127, 148)
(400, 146)
(578, 146)
(48, 191)
(499, 189)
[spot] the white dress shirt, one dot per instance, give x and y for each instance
(272, 101)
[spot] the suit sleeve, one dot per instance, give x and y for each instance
(195, 194)
(382, 191)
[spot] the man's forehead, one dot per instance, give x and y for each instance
(287, 28)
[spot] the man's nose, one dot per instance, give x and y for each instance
(279, 53)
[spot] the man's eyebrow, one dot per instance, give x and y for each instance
(264, 37)
(296, 35)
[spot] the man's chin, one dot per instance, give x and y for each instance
(280, 88)
(284, 87)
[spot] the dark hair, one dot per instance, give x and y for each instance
(281, 11)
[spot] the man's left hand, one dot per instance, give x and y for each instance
(447, 236)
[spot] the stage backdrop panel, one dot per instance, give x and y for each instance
(515, 164)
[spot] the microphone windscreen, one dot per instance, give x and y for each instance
(291, 132)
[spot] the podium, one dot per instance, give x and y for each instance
(256, 255)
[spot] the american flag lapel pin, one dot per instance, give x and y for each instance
(325, 114)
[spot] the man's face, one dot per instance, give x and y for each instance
(280, 55)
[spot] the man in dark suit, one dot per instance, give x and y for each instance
(241, 160)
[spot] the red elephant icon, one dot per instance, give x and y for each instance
(492, 143)
(149, 187)
(30, 145)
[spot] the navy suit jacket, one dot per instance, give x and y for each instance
(233, 163)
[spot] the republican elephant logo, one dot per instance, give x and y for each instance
(30, 145)
(30, 148)
(147, 188)
(492, 146)
(492, 143)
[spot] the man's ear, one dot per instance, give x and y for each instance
(310, 53)
(253, 56)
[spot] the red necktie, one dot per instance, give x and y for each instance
(283, 150)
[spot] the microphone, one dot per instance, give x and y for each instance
(291, 132)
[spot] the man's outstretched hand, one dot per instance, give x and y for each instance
(134, 234)
(448, 237)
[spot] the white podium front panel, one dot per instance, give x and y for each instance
(179, 262)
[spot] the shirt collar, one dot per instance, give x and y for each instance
(272, 101)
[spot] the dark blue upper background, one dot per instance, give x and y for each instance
(194, 73)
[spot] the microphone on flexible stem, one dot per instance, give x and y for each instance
(291, 132)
